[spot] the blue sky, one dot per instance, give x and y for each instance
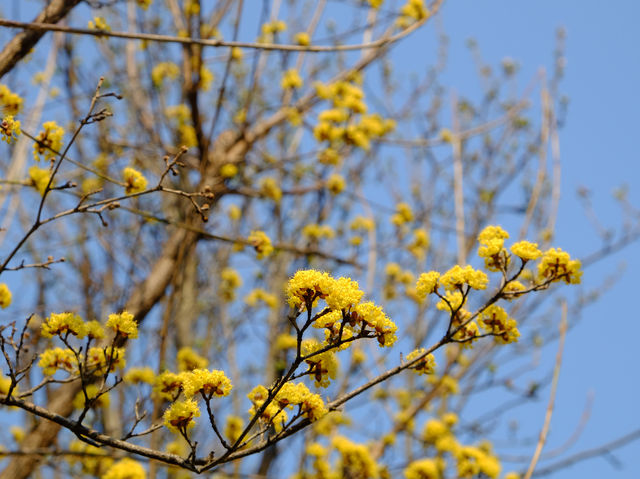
(598, 152)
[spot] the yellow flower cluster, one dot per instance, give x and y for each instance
(496, 321)
(322, 366)
(423, 469)
(272, 414)
(10, 102)
(230, 280)
(341, 125)
(48, 141)
(5, 296)
(355, 459)
(336, 184)
(135, 182)
(233, 428)
(420, 243)
(63, 324)
(413, 10)
(291, 80)
(526, 250)
(126, 469)
(403, 214)
(53, 359)
(94, 460)
(99, 359)
(188, 360)
(457, 277)
(143, 375)
(261, 243)
(93, 393)
(144, 4)
(123, 324)
(208, 383)
(162, 71)
(259, 294)
(9, 129)
(168, 385)
(302, 39)
(557, 265)
(316, 231)
(98, 23)
(426, 365)
(180, 415)
(269, 188)
(39, 178)
(311, 404)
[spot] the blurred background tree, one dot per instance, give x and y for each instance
(227, 146)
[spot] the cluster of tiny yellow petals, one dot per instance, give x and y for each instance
(261, 243)
(426, 365)
(208, 383)
(473, 461)
(356, 460)
(10, 102)
(286, 341)
(9, 129)
(94, 398)
(39, 178)
(188, 360)
(526, 250)
(496, 321)
(270, 189)
(457, 276)
(272, 414)
(311, 405)
(125, 469)
(51, 360)
(48, 141)
(557, 265)
(427, 283)
(492, 240)
(164, 70)
(62, 324)
(373, 317)
(291, 79)
(135, 182)
(258, 294)
(302, 38)
(336, 184)
(123, 324)
(180, 415)
(94, 329)
(422, 469)
(144, 375)
(403, 214)
(316, 231)
(307, 285)
(322, 366)
(5, 296)
(168, 385)
(230, 280)
(99, 359)
(344, 294)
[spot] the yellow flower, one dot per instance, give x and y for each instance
(92, 393)
(53, 359)
(422, 469)
(49, 141)
(261, 243)
(126, 469)
(336, 184)
(164, 70)
(94, 329)
(62, 324)
(123, 324)
(179, 416)
(458, 276)
(209, 383)
(403, 214)
(10, 102)
(99, 23)
(302, 38)
(139, 376)
(5, 296)
(355, 459)
(189, 360)
(39, 178)
(228, 170)
(168, 385)
(135, 181)
(556, 265)
(258, 294)
(233, 428)
(99, 359)
(426, 365)
(269, 188)
(427, 284)
(291, 79)
(526, 250)
(9, 129)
